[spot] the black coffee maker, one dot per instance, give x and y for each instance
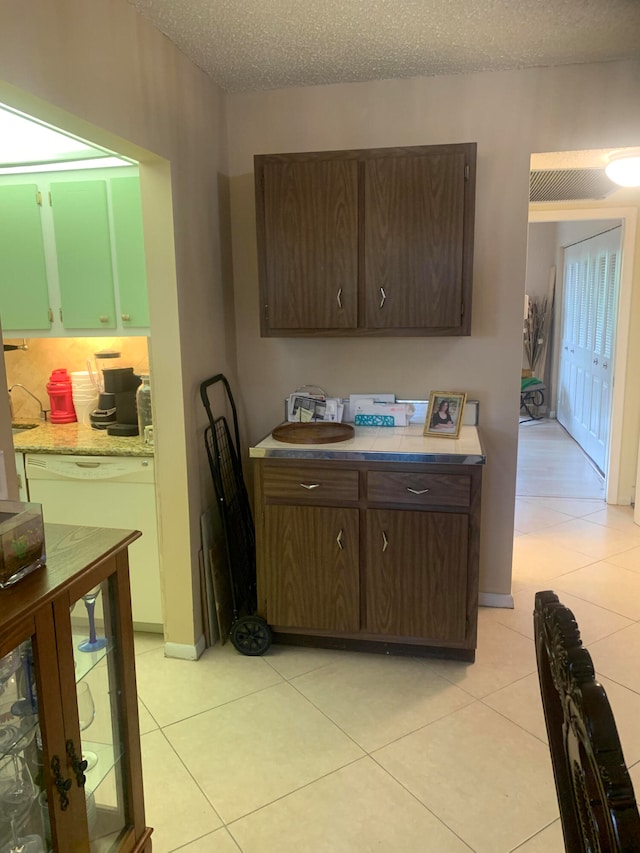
(122, 383)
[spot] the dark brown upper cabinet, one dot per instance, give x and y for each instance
(366, 242)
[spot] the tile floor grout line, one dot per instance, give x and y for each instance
(422, 803)
(511, 720)
(221, 705)
(195, 781)
(399, 737)
(535, 835)
(206, 835)
(294, 791)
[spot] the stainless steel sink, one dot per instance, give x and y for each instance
(16, 429)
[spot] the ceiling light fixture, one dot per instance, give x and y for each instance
(624, 168)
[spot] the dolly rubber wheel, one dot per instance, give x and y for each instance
(251, 635)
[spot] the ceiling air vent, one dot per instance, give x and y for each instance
(569, 185)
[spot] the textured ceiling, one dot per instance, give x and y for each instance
(246, 45)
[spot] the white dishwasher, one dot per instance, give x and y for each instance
(106, 491)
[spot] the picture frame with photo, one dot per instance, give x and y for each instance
(444, 414)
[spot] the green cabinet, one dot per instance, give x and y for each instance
(72, 254)
(24, 294)
(83, 252)
(129, 250)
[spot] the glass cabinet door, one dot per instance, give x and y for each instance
(100, 702)
(21, 756)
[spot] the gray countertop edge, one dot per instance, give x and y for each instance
(370, 456)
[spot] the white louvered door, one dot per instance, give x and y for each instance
(589, 317)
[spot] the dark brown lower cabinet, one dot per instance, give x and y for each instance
(315, 577)
(378, 555)
(416, 574)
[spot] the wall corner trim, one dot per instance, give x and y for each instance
(496, 599)
(183, 651)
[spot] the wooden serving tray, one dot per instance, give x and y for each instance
(313, 433)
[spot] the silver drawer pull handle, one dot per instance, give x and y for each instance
(384, 296)
(339, 541)
(339, 298)
(385, 542)
(418, 491)
(310, 485)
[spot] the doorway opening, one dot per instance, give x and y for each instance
(154, 175)
(551, 462)
(567, 456)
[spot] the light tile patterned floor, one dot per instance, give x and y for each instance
(314, 751)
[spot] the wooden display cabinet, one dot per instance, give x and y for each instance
(49, 721)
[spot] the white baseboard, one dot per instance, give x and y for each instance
(495, 599)
(183, 651)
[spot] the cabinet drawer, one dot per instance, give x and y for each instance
(420, 488)
(310, 484)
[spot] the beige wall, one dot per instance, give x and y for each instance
(102, 71)
(510, 115)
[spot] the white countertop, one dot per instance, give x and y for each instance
(398, 444)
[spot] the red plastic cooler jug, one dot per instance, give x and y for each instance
(61, 397)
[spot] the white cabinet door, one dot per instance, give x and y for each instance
(590, 302)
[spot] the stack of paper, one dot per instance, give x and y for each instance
(306, 407)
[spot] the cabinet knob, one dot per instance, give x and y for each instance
(310, 486)
(385, 542)
(339, 541)
(418, 491)
(384, 296)
(126, 318)
(103, 318)
(339, 297)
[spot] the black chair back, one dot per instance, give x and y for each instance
(595, 795)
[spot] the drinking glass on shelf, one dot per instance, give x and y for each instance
(86, 715)
(93, 644)
(17, 793)
(28, 704)
(8, 665)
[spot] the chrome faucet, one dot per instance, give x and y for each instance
(43, 411)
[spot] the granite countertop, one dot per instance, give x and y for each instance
(384, 444)
(77, 439)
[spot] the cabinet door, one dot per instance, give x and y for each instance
(129, 250)
(307, 238)
(83, 250)
(413, 241)
(33, 741)
(97, 678)
(311, 558)
(416, 580)
(24, 296)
